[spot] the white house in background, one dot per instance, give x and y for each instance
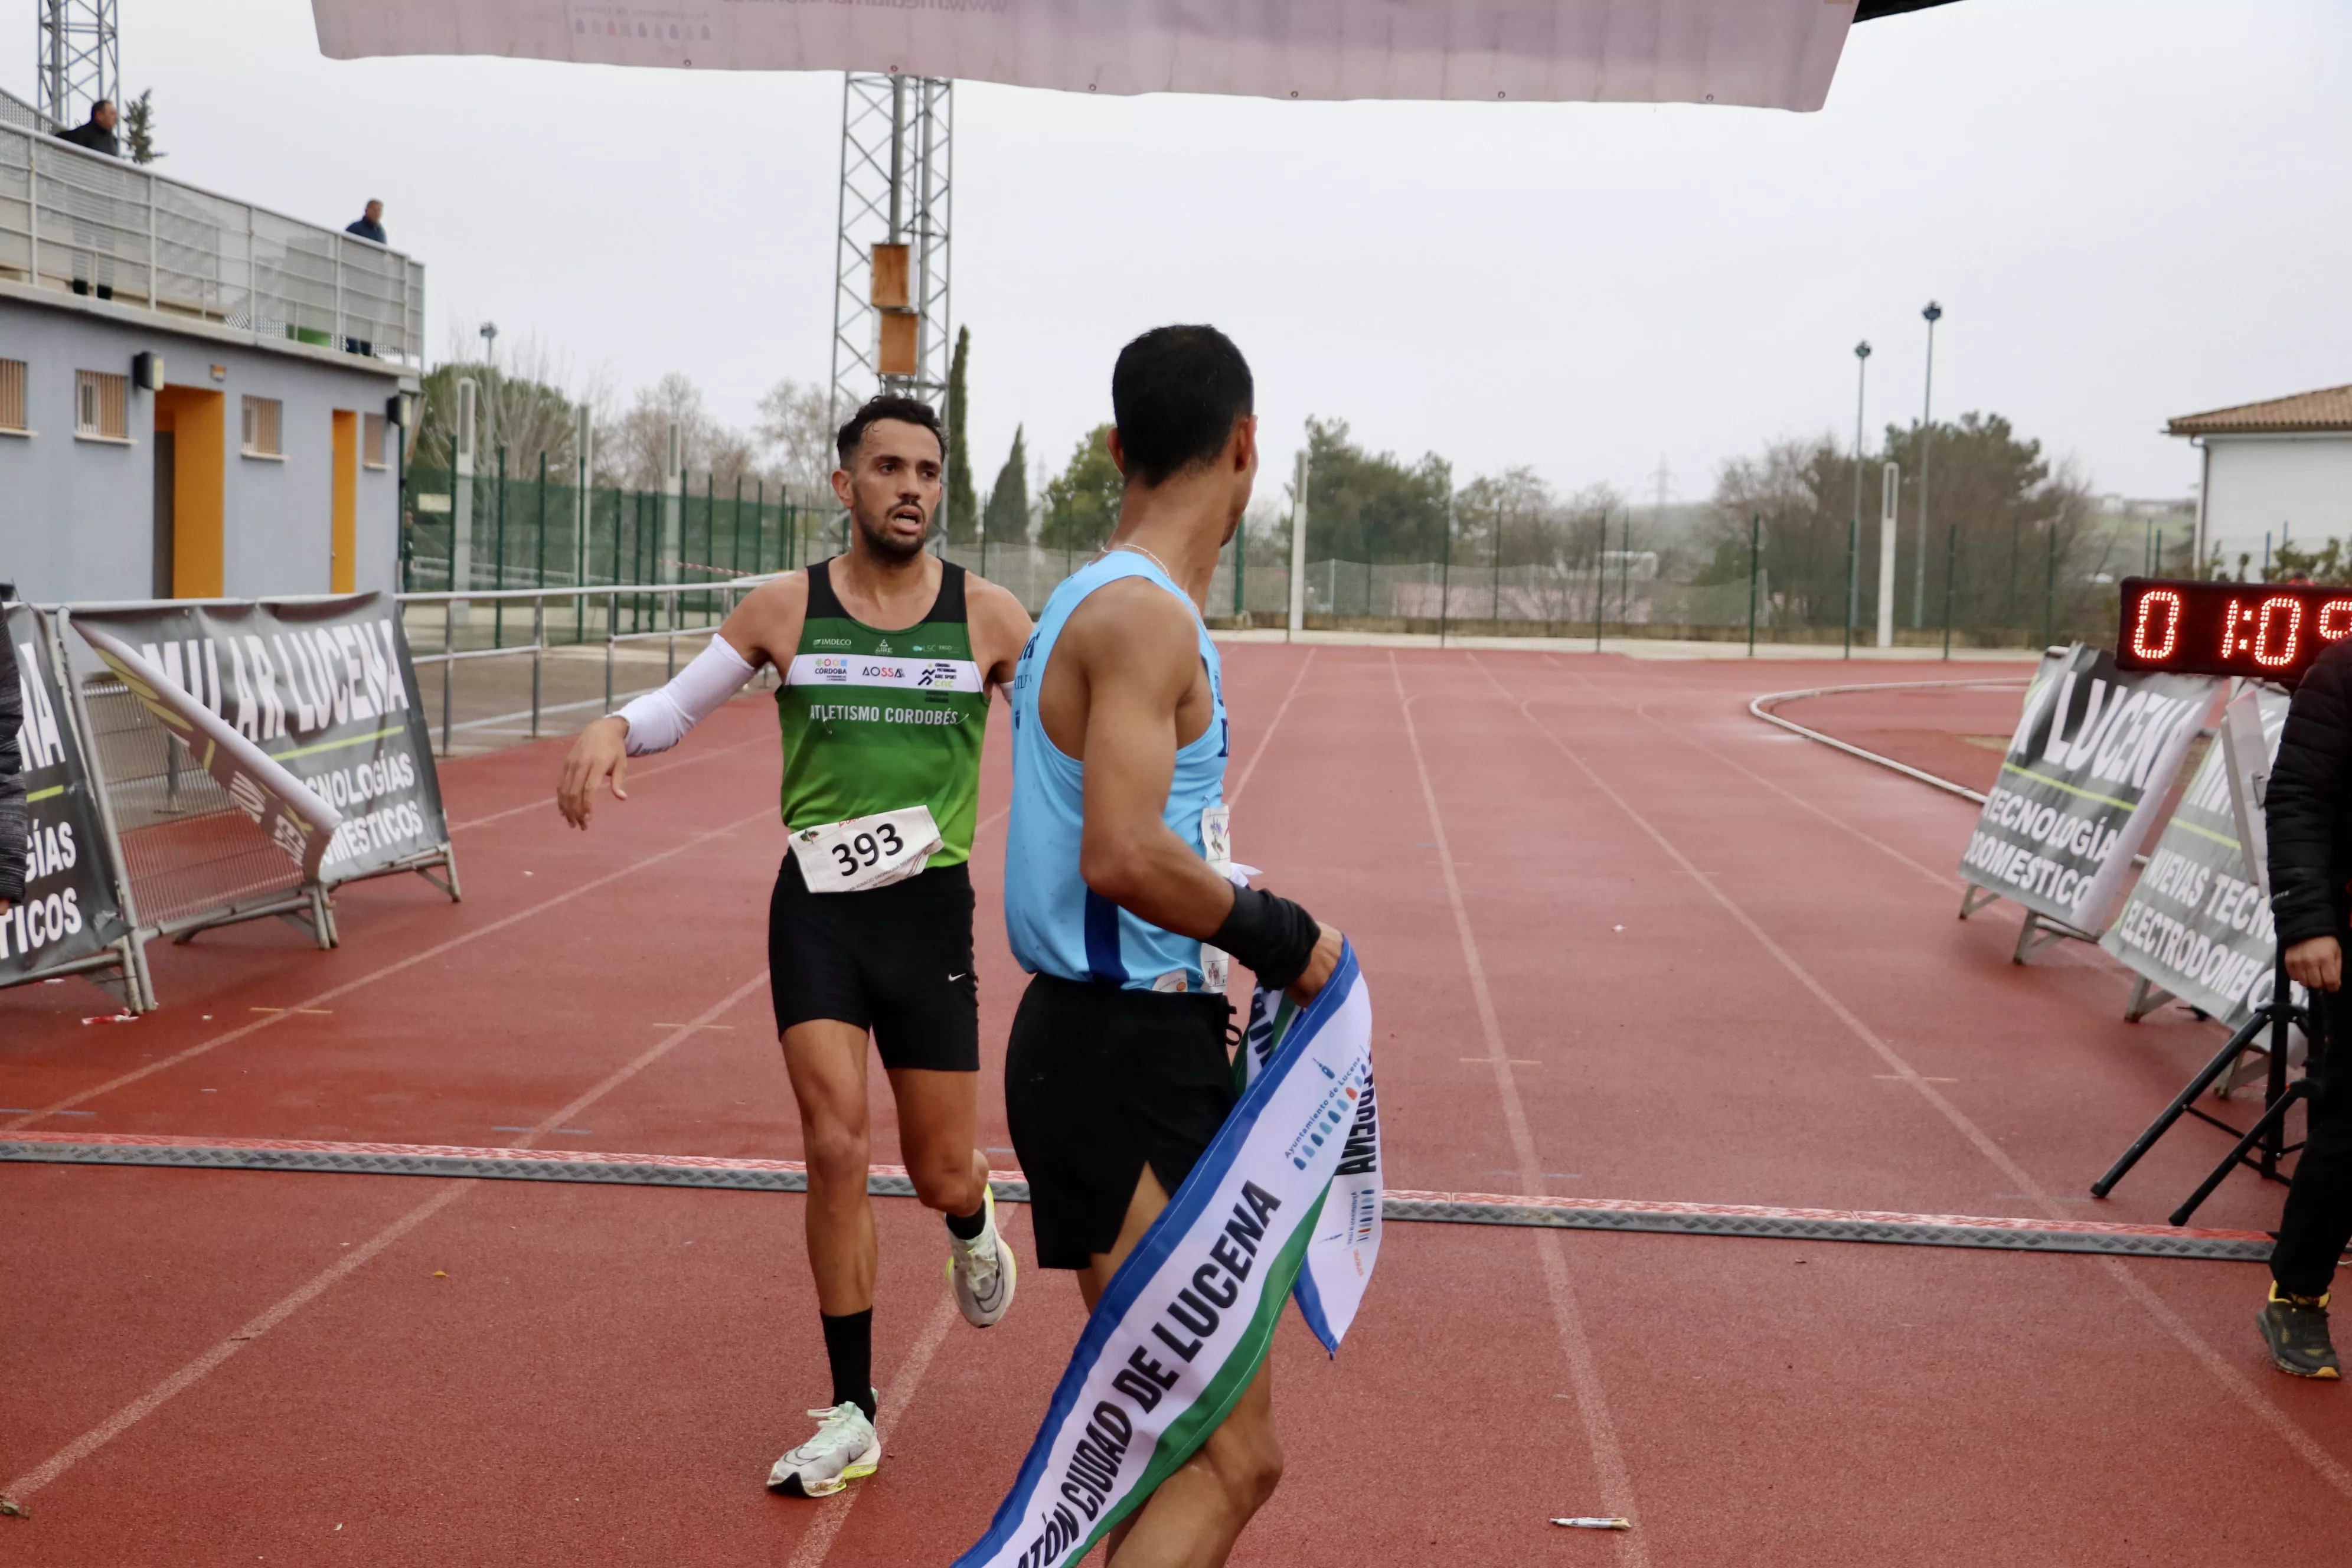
(2282, 467)
(198, 396)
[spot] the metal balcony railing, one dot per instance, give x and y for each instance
(74, 219)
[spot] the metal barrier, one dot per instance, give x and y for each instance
(665, 602)
(76, 219)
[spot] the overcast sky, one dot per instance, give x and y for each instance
(2129, 209)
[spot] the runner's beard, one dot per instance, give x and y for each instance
(886, 545)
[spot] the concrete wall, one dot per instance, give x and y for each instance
(76, 516)
(2258, 483)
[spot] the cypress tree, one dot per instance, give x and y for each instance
(1008, 503)
(963, 507)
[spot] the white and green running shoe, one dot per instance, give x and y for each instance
(846, 1447)
(982, 1270)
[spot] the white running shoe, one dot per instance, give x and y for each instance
(846, 1447)
(982, 1270)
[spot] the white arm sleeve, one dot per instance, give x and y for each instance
(659, 720)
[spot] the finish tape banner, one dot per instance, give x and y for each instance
(1347, 1243)
(324, 689)
(281, 806)
(1187, 1319)
(1767, 54)
(70, 909)
(2082, 782)
(2196, 923)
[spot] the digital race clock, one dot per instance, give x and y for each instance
(2272, 631)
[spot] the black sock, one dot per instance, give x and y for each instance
(849, 1347)
(968, 1227)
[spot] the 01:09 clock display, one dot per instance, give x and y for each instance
(2271, 631)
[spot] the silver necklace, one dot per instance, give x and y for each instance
(1148, 556)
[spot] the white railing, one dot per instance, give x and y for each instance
(659, 606)
(71, 219)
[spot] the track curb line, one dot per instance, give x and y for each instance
(1757, 707)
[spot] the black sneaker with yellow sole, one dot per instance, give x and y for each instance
(2295, 1329)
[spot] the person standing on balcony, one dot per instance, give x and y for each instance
(97, 132)
(369, 225)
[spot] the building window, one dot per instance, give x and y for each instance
(101, 406)
(263, 416)
(372, 440)
(12, 395)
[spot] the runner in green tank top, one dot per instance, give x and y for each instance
(887, 656)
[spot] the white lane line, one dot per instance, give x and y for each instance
(1642, 711)
(1591, 1399)
(834, 1511)
(1267, 739)
(202, 1366)
(387, 971)
(2234, 1382)
(547, 802)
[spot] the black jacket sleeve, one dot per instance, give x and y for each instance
(12, 775)
(2305, 811)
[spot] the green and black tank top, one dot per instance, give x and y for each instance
(877, 720)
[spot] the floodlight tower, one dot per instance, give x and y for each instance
(81, 59)
(891, 326)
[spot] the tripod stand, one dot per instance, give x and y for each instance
(2262, 1146)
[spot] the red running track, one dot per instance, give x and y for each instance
(1625, 942)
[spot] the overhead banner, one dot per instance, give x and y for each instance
(70, 910)
(324, 690)
(2083, 780)
(1764, 54)
(2196, 923)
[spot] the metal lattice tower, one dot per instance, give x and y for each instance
(897, 189)
(81, 59)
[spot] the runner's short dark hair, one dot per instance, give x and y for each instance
(887, 405)
(1177, 392)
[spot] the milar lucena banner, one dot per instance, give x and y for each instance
(325, 689)
(1767, 54)
(2196, 922)
(70, 910)
(2082, 782)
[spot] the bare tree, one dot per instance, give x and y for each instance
(527, 395)
(795, 435)
(638, 443)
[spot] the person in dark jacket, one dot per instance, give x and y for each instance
(2308, 813)
(97, 132)
(12, 777)
(369, 225)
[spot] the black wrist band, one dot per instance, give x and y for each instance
(1273, 936)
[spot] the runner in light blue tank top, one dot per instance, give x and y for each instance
(1057, 924)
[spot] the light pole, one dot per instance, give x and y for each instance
(490, 331)
(1933, 313)
(1853, 535)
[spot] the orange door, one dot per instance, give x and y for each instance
(198, 421)
(344, 575)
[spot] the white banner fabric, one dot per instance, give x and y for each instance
(2084, 784)
(1347, 1241)
(281, 806)
(1187, 1319)
(1765, 54)
(2198, 922)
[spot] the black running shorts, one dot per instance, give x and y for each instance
(894, 960)
(1098, 1081)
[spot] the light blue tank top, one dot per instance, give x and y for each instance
(1057, 924)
